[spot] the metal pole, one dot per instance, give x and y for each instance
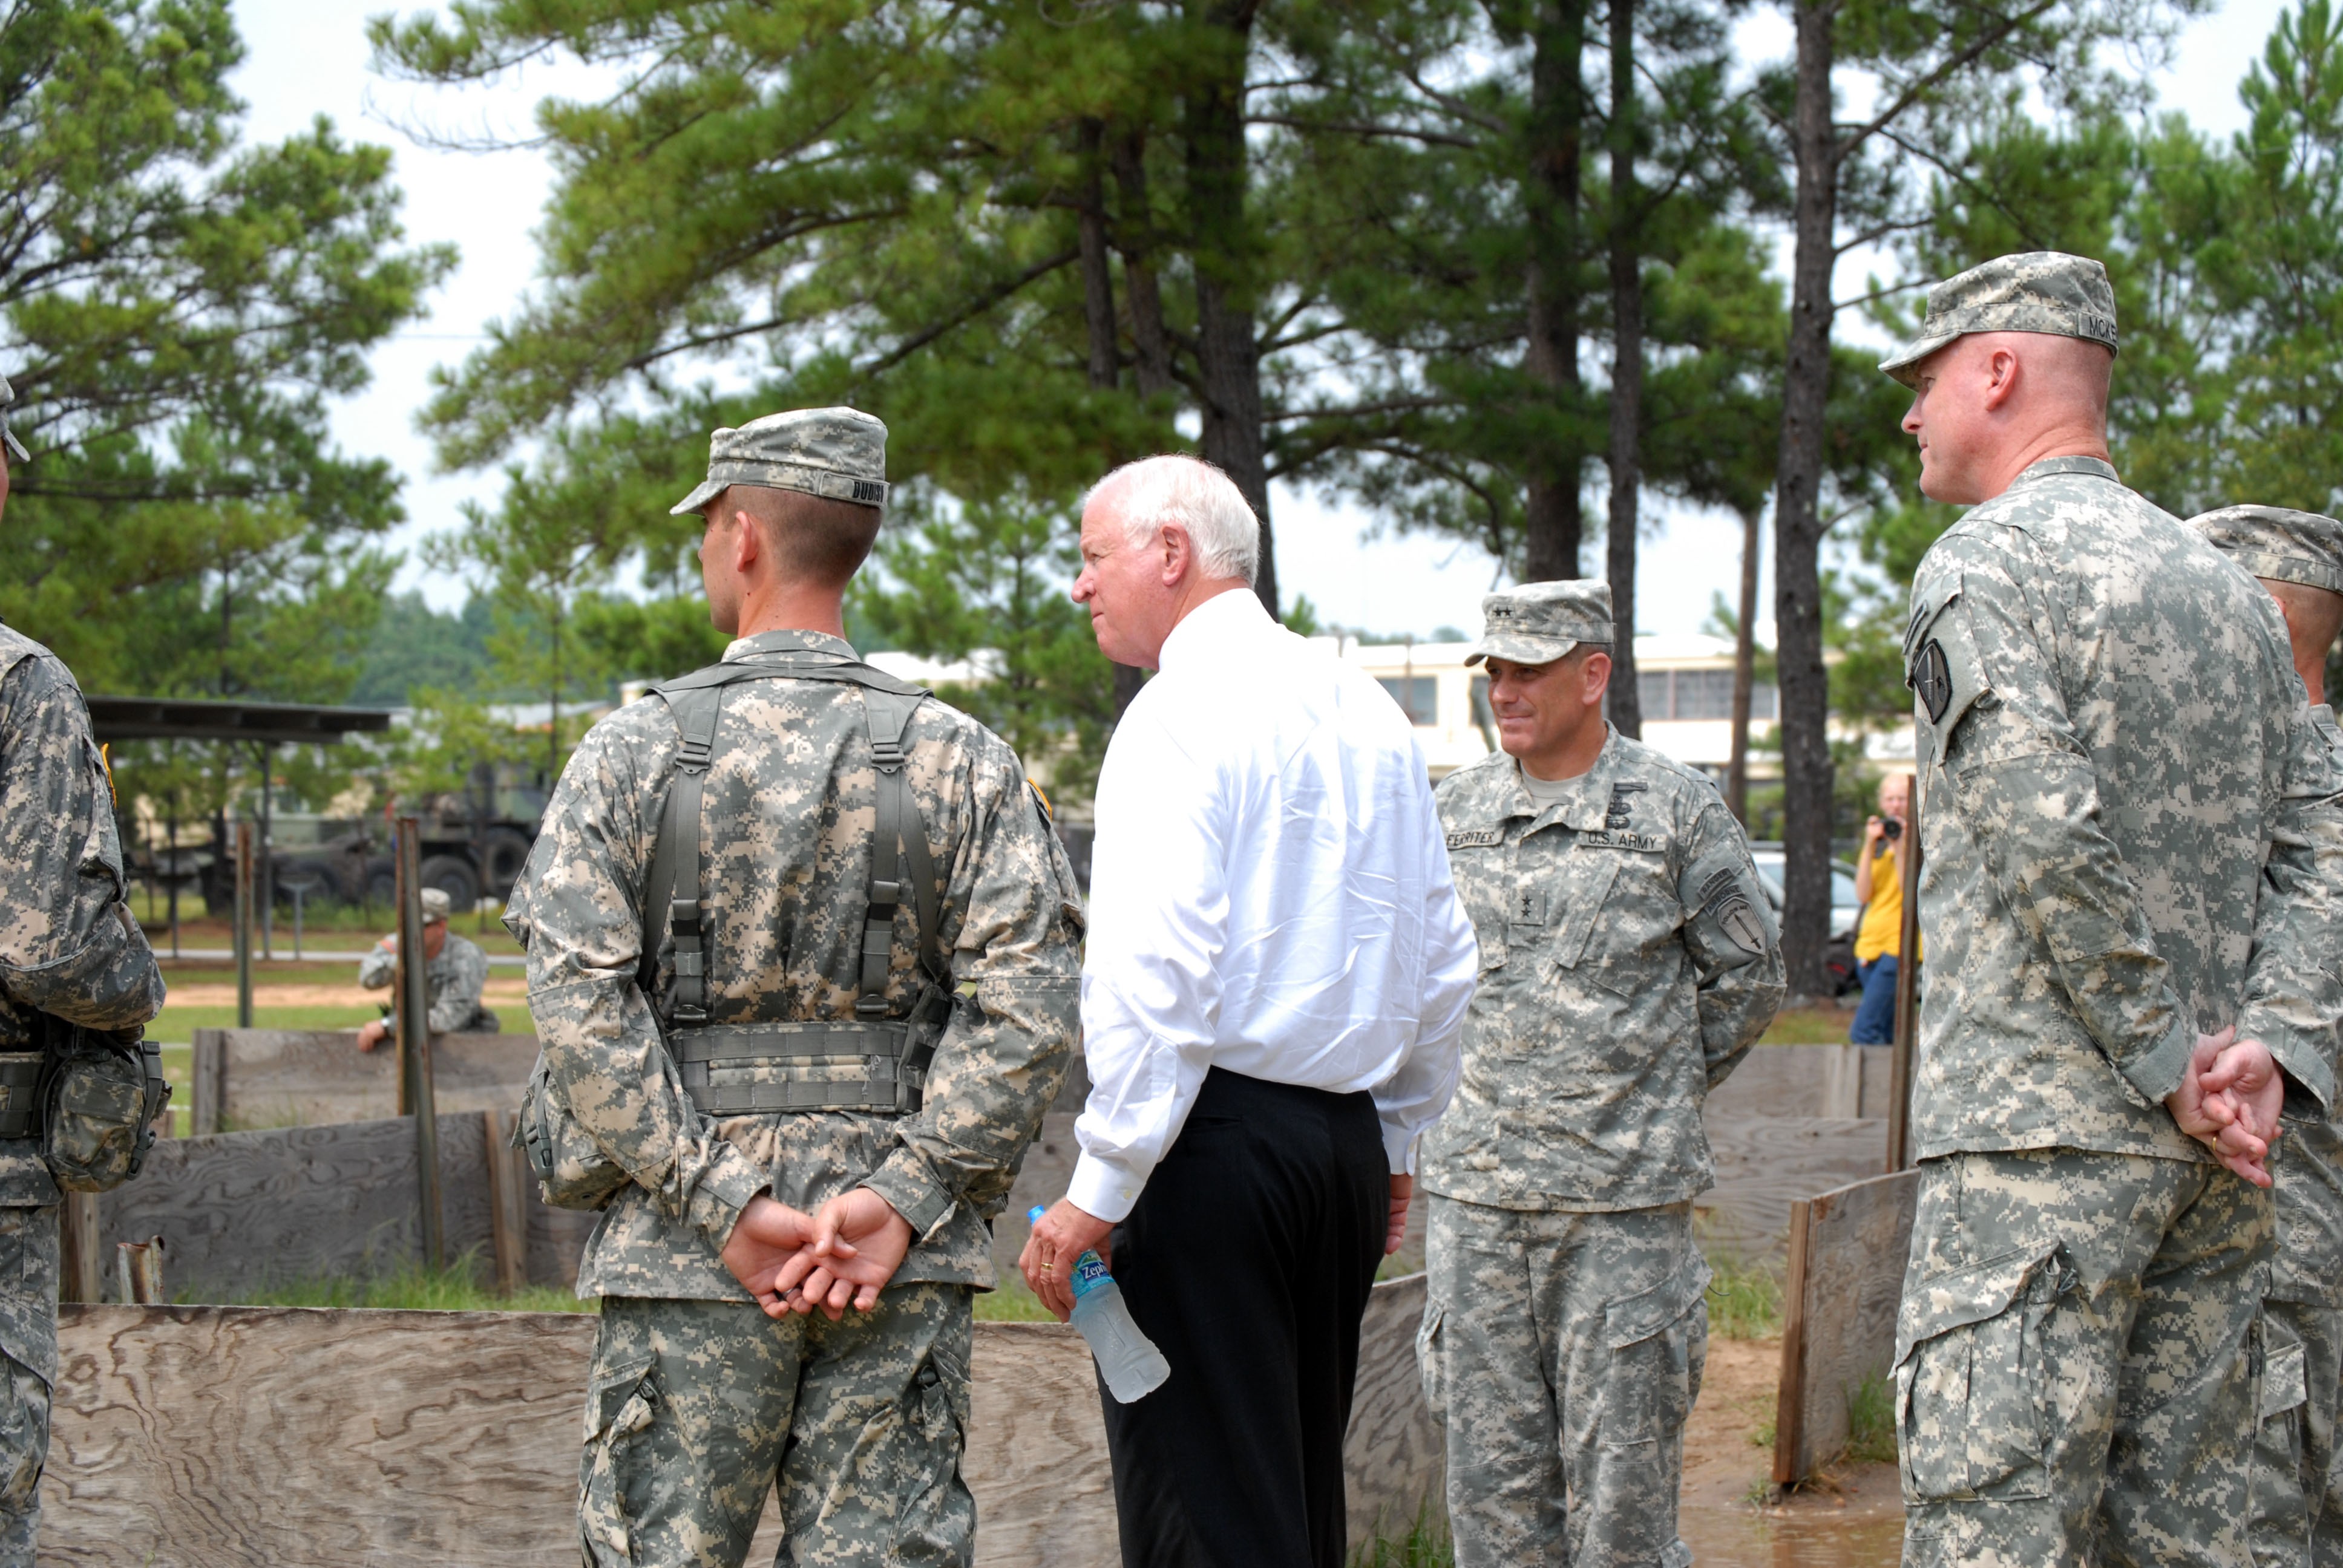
(414, 1035)
(243, 925)
(296, 891)
(1907, 988)
(268, 883)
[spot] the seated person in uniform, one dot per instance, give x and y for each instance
(456, 972)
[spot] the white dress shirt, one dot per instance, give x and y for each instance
(1268, 894)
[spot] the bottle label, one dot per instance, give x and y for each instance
(1089, 1275)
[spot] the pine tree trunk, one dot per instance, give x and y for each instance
(1626, 699)
(1744, 670)
(1098, 276)
(1553, 522)
(1151, 347)
(1797, 521)
(1228, 349)
(1151, 359)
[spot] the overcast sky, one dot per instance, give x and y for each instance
(308, 57)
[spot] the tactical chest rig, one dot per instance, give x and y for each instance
(744, 1069)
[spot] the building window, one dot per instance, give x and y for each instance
(1418, 696)
(1703, 694)
(1694, 694)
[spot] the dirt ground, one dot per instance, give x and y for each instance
(1852, 1519)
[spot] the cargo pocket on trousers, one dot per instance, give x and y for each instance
(620, 1406)
(1427, 1363)
(1658, 1339)
(1971, 1387)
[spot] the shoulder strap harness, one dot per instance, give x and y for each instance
(760, 1061)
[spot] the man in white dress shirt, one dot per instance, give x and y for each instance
(1275, 982)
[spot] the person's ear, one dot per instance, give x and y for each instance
(2002, 373)
(1598, 676)
(1179, 551)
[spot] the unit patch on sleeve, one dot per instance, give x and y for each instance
(1932, 680)
(1721, 898)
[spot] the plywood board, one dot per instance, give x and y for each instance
(1830, 1081)
(1763, 1164)
(1846, 1280)
(240, 1210)
(222, 1437)
(264, 1078)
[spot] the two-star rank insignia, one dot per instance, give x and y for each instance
(1932, 680)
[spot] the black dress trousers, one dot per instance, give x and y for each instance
(1248, 1260)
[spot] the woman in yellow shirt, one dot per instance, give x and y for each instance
(1879, 884)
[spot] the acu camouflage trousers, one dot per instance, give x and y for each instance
(28, 1337)
(2080, 1360)
(1561, 1351)
(2297, 1479)
(694, 1410)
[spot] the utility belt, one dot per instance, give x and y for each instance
(751, 1069)
(90, 1096)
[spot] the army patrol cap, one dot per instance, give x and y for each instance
(7, 401)
(436, 905)
(2045, 291)
(1538, 623)
(840, 453)
(2280, 543)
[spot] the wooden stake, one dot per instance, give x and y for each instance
(210, 1068)
(1789, 1400)
(1907, 991)
(82, 1277)
(507, 1206)
(243, 925)
(415, 1038)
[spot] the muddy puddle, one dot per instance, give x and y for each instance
(1851, 1519)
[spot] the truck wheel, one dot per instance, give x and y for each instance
(505, 855)
(456, 878)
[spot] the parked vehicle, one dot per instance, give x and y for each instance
(475, 843)
(1846, 909)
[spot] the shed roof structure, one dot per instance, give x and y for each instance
(195, 718)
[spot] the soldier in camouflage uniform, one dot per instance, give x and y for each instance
(455, 973)
(2297, 1489)
(1628, 960)
(699, 1401)
(2128, 844)
(68, 948)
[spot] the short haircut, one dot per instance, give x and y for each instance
(1193, 494)
(814, 539)
(2313, 615)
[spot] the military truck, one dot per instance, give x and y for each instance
(475, 843)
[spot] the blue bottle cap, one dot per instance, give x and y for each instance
(1034, 1213)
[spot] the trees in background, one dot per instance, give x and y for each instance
(178, 308)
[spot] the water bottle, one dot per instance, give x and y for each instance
(1134, 1368)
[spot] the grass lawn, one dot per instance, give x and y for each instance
(177, 1025)
(454, 1289)
(1809, 1026)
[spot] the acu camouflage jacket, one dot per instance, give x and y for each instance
(68, 944)
(790, 813)
(2128, 827)
(1628, 959)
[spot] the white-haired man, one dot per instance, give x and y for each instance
(1275, 982)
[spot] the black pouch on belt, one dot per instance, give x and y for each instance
(99, 1093)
